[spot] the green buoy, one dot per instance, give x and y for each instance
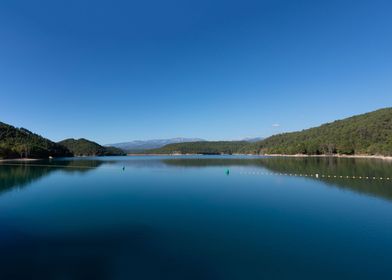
(227, 171)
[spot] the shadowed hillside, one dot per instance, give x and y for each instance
(84, 147)
(22, 143)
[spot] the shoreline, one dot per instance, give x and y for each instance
(19, 159)
(389, 158)
(331, 156)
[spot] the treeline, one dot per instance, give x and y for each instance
(84, 147)
(22, 143)
(367, 134)
(201, 147)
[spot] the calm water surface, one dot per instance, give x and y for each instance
(185, 218)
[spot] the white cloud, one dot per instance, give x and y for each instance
(275, 125)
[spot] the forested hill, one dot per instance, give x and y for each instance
(84, 147)
(369, 134)
(22, 143)
(201, 147)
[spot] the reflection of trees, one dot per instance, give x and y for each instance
(14, 175)
(340, 167)
(19, 174)
(313, 165)
(331, 166)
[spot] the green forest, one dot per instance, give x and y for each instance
(202, 147)
(22, 143)
(367, 134)
(84, 147)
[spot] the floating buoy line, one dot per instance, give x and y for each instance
(227, 172)
(317, 176)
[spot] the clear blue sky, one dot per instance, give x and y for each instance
(113, 71)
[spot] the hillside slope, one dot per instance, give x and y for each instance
(369, 134)
(142, 145)
(22, 143)
(84, 147)
(366, 134)
(204, 147)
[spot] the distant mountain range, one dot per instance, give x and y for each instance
(366, 134)
(141, 145)
(252, 139)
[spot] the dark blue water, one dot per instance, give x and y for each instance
(185, 218)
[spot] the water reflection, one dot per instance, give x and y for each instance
(155, 220)
(328, 166)
(17, 175)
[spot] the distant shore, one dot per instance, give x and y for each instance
(389, 158)
(279, 155)
(19, 159)
(333, 156)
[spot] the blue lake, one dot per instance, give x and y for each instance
(196, 217)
